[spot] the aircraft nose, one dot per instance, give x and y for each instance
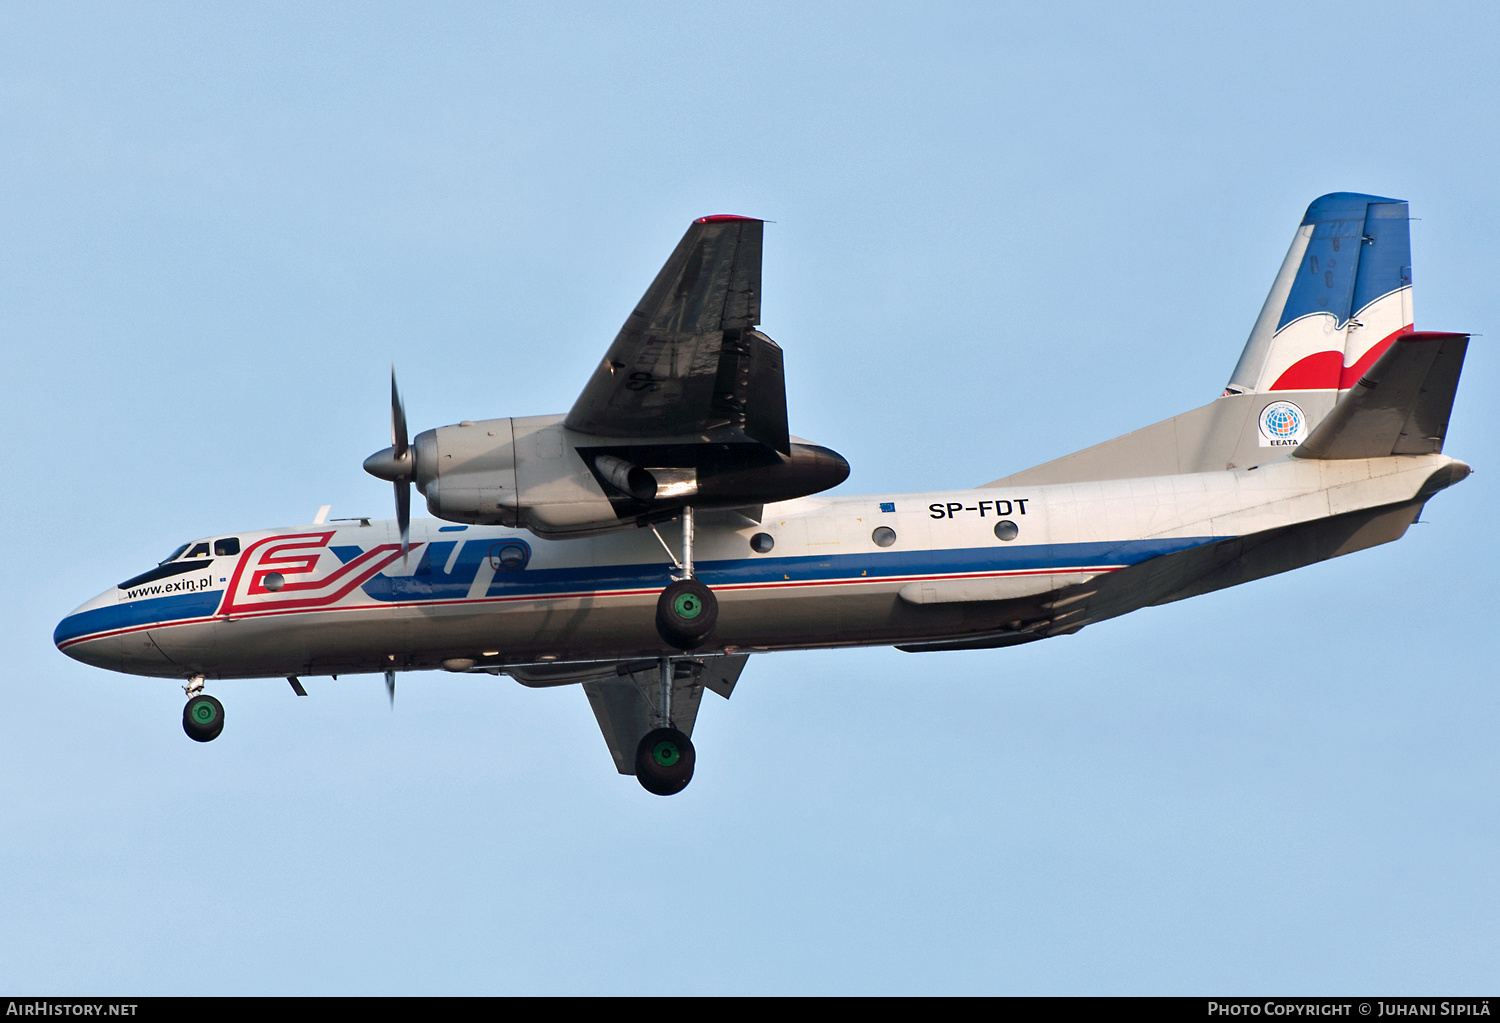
(78, 636)
(97, 634)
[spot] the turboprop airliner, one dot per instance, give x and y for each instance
(668, 527)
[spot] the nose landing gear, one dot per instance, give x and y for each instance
(203, 717)
(686, 611)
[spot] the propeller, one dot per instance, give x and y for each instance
(390, 686)
(398, 465)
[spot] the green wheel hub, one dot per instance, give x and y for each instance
(203, 712)
(685, 615)
(664, 759)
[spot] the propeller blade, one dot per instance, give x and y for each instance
(397, 465)
(398, 419)
(403, 515)
(390, 686)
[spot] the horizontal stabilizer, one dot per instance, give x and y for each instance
(1400, 406)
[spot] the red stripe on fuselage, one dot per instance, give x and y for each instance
(646, 591)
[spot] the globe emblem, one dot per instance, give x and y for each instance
(1282, 422)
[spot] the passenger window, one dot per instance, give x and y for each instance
(509, 557)
(228, 546)
(199, 550)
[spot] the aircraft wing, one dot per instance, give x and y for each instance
(688, 360)
(625, 702)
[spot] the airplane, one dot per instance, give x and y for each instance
(646, 543)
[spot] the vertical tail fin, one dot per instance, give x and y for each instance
(1342, 296)
(1340, 301)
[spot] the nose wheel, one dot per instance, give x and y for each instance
(203, 718)
(686, 611)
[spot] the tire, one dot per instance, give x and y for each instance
(686, 613)
(203, 718)
(664, 761)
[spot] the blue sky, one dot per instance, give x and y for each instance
(1000, 234)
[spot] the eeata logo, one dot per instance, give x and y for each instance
(1282, 425)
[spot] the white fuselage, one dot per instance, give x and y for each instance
(336, 598)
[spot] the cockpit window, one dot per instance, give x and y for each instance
(173, 555)
(200, 550)
(230, 545)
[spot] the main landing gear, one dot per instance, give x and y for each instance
(203, 717)
(686, 611)
(664, 757)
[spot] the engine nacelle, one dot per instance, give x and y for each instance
(535, 473)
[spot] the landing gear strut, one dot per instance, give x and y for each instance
(687, 610)
(203, 717)
(664, 757)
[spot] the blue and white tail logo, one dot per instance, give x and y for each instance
(1343, 295)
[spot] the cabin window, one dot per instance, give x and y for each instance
(174, 555)
(1005, 529)
(883, 536)
(228, 546)
(509, 557)
(200, 550)
(761, 543)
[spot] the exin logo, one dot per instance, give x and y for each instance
(1282, 425)
(297, 571)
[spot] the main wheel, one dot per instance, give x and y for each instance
(664, 761)
(685, 614)
(203, 718)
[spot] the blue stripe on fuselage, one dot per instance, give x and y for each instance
(426, 584)
(137, 612)
(435, 584)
